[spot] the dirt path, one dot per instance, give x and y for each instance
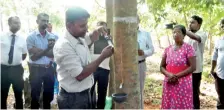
(153, 88)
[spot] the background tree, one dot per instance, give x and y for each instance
(180, 11)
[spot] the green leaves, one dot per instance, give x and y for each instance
(181, 10)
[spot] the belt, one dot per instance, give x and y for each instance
(11, 65)
(141, 61)
(86, 90)
(40, 65)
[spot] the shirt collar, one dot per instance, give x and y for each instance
(140, 29)
(201, 32)
(38, 33)
(10, 33)
(72, 39)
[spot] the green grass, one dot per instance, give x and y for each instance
(153, 90)
(207, 77)
(206, 68)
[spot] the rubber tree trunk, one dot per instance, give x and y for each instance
(109, 17)
(125, 52)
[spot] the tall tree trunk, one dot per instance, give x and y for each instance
(209, 34)
(125, 52)
(168, 37)
(185, 18)
(155, 27)
(109, 14)
(109, 17)
(158, 38)
(210, 43)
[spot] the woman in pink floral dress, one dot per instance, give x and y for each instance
(177, 64)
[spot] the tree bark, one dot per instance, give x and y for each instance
(168, 37)
(125, 52)
(109, 14)
(157, 36)
(185, 19)
(210, 43)
(109, 17)
(209, 34)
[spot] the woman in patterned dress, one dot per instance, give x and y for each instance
(178, 63)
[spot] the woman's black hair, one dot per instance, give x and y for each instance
(182, 28)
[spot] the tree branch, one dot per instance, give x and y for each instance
(99, 4)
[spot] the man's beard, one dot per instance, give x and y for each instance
(14, 30)
(82, 34)
(192, 30)
(43, 27)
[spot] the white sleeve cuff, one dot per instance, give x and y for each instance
(88, 40)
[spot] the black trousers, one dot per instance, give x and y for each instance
(196, 81)
(76, 100)
(12, 75)
(219, 85)
(41, 76)
(101, 76)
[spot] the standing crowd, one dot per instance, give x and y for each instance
(71, 65)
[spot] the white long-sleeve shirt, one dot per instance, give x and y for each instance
(145, 44)
(19, 48)
(72, 55)
(218, 55)
(199, 49)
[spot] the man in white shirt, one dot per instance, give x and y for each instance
(218, 63)
(196, 38)
(13, 52)
(145, 49)
(74, 66)
(101, 76)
